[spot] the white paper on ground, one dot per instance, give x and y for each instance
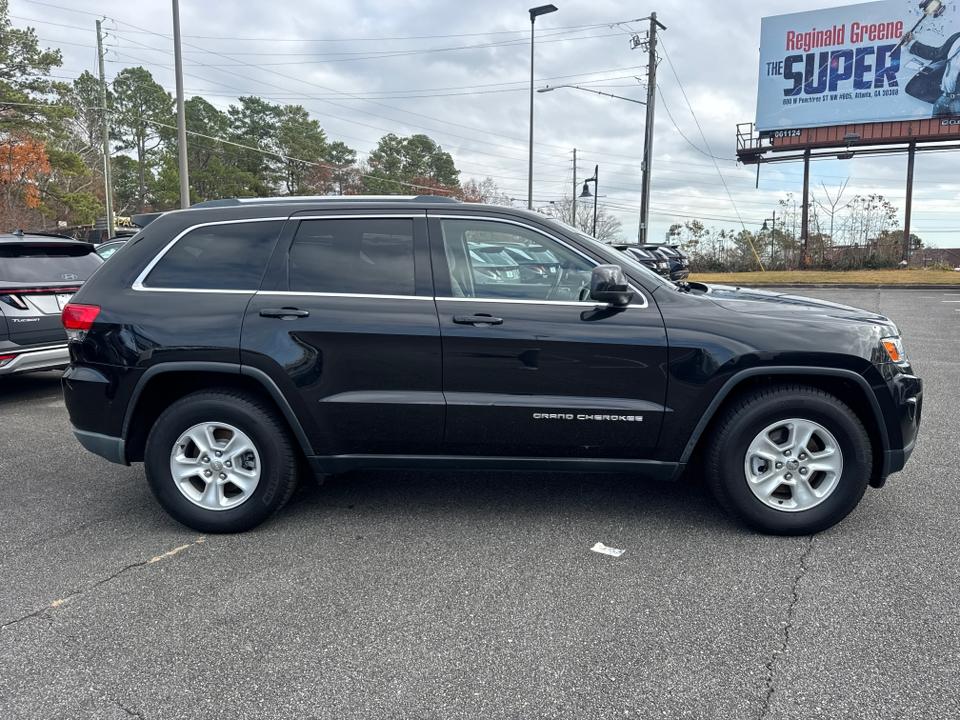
(601, 548)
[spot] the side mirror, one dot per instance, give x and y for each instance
(609, 285)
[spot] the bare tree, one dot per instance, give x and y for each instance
(826, 236)
(608, 227)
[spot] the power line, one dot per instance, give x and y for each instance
(702, 135)
(330, 102)
(524, 31)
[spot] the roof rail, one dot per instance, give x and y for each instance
(144, 219)
(19, 233)
(226, 202)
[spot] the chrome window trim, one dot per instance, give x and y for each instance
(594, 263)
(138, 284)
(208, 291)
(286, 293)
(585, 305)
(361, 216)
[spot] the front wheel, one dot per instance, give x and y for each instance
(220, 461)
(789, 460)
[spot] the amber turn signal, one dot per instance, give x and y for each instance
(893, 349)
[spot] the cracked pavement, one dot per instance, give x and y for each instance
(444, 595)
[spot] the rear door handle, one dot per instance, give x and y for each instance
(284, 313)
(477, 320)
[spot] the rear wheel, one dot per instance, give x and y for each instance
(220, 461)
(789, 460)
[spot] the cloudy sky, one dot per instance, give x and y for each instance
(460, 73)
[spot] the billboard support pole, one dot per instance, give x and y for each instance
(805, 222)
(909, 208)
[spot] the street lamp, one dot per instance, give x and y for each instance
(772, 220)
(586, 194)
(597, 92)
(534, 13)
(773, 230)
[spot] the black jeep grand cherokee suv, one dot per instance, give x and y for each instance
(230, 347)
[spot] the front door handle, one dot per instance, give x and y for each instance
(284, 313)
(477, 320)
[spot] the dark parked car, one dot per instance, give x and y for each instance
(492, 264)
(677, 259)
(537, 264)
(230, 347)
(38, 275)
(646, 257)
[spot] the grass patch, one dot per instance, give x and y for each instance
(825, 277)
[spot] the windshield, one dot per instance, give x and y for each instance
(635, 265)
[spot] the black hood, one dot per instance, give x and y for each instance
(765, 302)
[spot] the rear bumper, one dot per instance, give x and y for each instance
(110, 448)
(46, 358)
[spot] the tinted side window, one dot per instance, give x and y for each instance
(363, 256)
(218, 257)
(490, 259)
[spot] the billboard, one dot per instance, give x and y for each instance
(876, 62)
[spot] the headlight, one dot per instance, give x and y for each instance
(894, 348)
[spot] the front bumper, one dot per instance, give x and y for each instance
(908, 398)
(46, 358)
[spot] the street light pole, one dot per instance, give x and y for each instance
(548, 88)
(534, 13)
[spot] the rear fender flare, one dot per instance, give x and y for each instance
(264, 380)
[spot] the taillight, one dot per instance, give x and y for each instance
(12, 296)
(38, 290)
(4, 359)
(77, 319)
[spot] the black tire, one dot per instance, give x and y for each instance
(754, 421)
(272, 458)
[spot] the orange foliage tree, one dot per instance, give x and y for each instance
(23, 161)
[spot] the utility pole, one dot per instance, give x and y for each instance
(648, 131)
(181, 115)
(573, 207)
(105, 125)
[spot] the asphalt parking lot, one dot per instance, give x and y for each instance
(441, 595)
